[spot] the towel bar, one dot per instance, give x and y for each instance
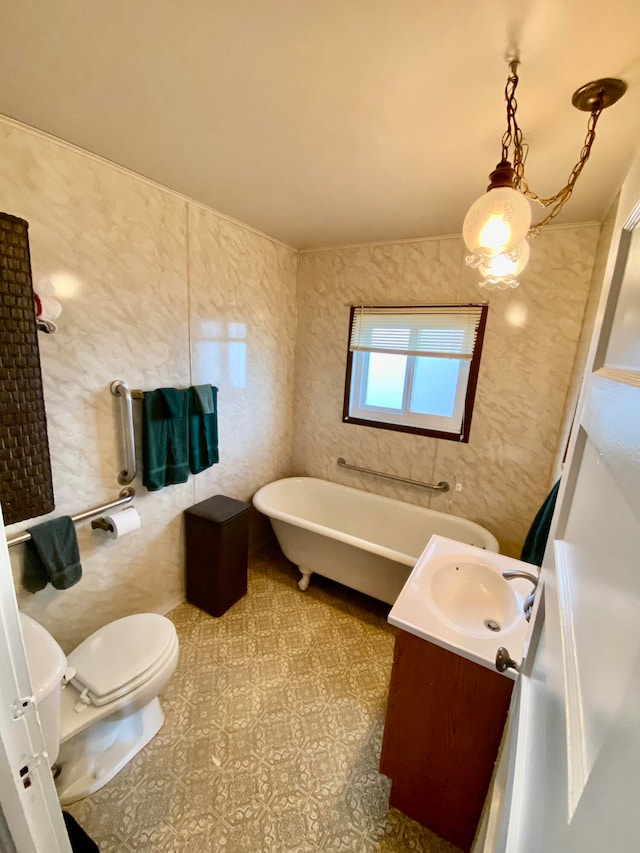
(126, 496)
(442, 486)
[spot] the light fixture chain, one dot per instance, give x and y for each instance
(512, 137)
(512, 134)
(562, 197)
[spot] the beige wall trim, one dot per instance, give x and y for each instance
(338, 248)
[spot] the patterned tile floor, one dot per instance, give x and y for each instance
(273, 728)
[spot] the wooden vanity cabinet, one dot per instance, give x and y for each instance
(444, 721)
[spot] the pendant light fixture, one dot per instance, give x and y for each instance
(497, 225)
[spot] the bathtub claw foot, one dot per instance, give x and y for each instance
(303, 583)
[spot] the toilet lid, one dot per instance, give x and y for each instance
(121, 655)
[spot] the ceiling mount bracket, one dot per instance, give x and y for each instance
(599, 94)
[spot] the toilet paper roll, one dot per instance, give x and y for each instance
(122, 522)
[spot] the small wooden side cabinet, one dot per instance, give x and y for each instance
(445, 718)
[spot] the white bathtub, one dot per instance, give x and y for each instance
(365, 541)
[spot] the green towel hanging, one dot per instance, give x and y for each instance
(205, 399)
(165, 438)
(203, 427)
(52, 555)
(536, 542)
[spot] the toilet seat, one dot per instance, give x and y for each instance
(121, 656)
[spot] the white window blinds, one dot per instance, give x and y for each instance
(435, 331)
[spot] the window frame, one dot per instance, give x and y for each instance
(461, 435)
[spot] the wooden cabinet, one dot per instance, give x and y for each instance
(444, 721)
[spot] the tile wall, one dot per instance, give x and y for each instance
(529, 351)
(159, 292)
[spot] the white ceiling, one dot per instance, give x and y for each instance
(327, 122)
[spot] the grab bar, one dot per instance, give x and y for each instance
(126, 496)
(119, 388)
(442, 486)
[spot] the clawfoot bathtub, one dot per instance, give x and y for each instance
(365, 541)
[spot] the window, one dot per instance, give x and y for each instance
(414, 369)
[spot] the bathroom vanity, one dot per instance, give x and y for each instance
(445, 717)
(447, 704)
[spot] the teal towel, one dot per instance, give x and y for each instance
(536, 541)
(171, 402)
(165, 438)
(203, 429)
(204, 399)
(52, 555)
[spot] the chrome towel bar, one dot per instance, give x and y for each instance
(126, 496)
(442, 486)
(119, 388)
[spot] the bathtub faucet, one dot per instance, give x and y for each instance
(510, 574)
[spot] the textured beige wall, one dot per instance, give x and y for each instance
(158, 292)
(530, 345)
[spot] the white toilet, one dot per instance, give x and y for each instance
(99, 706)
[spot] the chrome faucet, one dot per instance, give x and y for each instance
(510, 574)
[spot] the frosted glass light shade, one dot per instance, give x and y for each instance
(507, 263)
(497, 222)
(501, 271)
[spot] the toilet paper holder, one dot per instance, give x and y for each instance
(119, 524)
(101, 524)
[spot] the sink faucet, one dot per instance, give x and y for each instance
(510, 574)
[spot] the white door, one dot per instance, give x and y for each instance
(569, 778)
(32, 818)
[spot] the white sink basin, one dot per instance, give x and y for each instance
(474, 597)
(457, 598)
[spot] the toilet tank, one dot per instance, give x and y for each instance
(47, 664)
